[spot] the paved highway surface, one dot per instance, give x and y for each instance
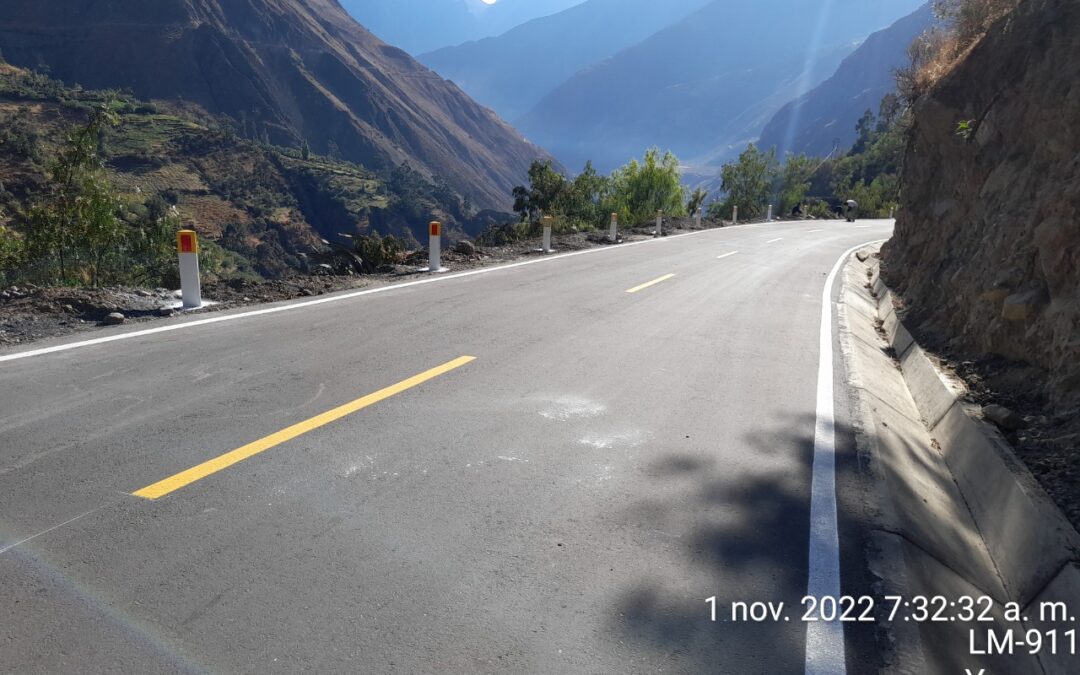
(334, 488)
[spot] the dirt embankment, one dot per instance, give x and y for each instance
(987, 249)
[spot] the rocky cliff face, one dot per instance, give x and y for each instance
(286, 70)
(987, 245)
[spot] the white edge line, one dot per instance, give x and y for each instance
(825, 640)
(726, 255)
(773, 241)
(333, 298)
(813, 231)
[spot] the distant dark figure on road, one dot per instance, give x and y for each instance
(850, 208)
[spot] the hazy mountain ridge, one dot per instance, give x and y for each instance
(705, 85)
(287, 71)
(514, 71)
(826, 117)
(424, 25)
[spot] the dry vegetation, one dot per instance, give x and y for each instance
(935, 53)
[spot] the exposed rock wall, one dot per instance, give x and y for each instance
(987, 247)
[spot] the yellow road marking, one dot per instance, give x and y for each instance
(207, 468)
(642, 287)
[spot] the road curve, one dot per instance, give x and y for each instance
(632, 434)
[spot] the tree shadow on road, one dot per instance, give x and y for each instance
(743, 533)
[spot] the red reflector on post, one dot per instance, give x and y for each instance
(187, 241)
(435, 229)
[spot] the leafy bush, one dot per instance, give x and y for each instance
(375, 251)
(12, 254)
(635, 191)
(747, 183)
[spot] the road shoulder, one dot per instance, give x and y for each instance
(924, 539)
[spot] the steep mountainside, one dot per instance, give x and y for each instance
(825, 117)
(987, 246)
(423, 25)
(706, 85)
(288, 71)
(512, 72)
(265, 208)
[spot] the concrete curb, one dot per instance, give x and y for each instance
(974, 513)
(1029, 538)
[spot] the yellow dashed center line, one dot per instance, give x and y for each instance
(210, 467)
(642, 287)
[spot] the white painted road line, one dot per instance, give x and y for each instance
(773, 241)
(726, 255)
(334, 298)
(813, 231)
(825, 640)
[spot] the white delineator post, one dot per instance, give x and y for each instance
(548, 222)
(769, 217)
(735, 215)
(697, 218)
(434, 246)
(613, 236)
(187, 248)
(659, 224)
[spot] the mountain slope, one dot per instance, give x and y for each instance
(423, 25)
(706, 85)
(259, 208)
(826, 116)
(287, 71)
(512, 72)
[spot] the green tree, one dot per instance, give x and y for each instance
(639, 189)
(546, 186)
(748, 182)
(149, 249)
(865, 130)
(12, 254)
(794, 182)
(581, 202)
(697, 200)
(76, 224)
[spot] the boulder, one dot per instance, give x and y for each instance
(1003, 417)
(113, 319)
(465, 248)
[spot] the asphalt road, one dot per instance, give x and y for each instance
(563, 503)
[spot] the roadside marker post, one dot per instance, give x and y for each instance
(697, 218)
(548, 221)
(613, 236)
(768, 218)
(735, 215)
(187, 248)
(659, 224)
(434, 246)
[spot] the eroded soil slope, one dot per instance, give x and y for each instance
(987, 248)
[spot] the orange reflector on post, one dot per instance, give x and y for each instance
(435, 229)
(187, 241)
